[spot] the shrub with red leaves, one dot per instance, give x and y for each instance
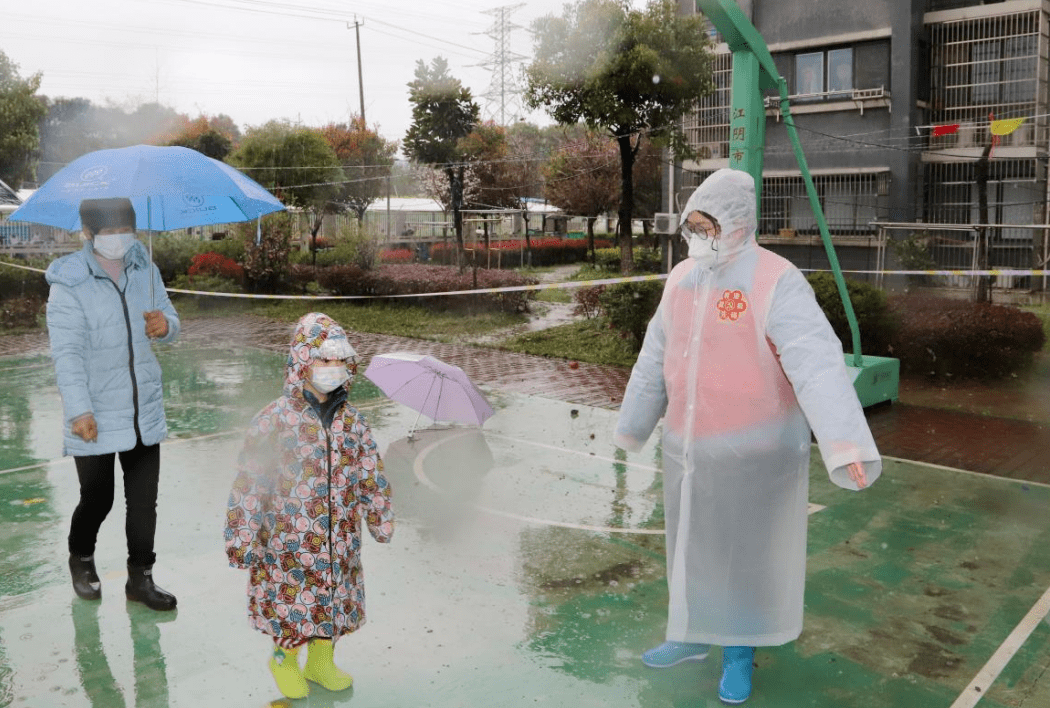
(960, 339)
(215, 264)
(512, 253)
(396, 255)
(406, 279)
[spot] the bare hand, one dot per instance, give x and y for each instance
(856, 473)
(156, 324)
(85, 428)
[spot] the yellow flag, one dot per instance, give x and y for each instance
(1007, 126)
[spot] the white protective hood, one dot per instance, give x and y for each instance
(729, 197)
(741, 363)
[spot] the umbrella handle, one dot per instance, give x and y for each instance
(149, 268)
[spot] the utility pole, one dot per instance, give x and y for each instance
(503, 90)
(360, 80)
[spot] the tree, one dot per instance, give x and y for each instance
(582, 179)
(213, 137)
(443, 112)
(73, 127)
(366, 158)
(296, 164)
(648, 184)
(20, 113)
(628, 72)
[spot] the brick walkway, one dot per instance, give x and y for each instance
(1007, 448)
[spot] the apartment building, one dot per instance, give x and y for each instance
(895, 102)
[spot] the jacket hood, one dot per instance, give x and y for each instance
(78, 267)
(317, 336)
(729, 196)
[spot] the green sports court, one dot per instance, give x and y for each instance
(527, 569)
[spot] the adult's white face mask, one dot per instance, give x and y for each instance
(328, 378)
(113, 246)
(703, 249)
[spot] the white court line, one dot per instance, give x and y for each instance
(166, 443)
(417, 467)
(987, 675)
(969, 472)
(589, 455)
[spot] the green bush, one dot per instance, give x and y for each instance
(913, 253)
(875, 319)
(646, 260)
(630, 306)
(941, 337)
(20, 283)
(173, 253)
(266, 264)
(18, 313)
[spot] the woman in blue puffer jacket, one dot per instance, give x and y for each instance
(100, 320)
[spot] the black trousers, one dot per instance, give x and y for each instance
(141, 466)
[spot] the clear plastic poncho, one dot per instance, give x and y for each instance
(741, 363)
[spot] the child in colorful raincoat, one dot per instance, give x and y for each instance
(742, 364)
(309, 476)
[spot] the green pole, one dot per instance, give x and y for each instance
(822, 224)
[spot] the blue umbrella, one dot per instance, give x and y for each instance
(170, 188)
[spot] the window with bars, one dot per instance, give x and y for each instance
(850, 202)
(1016, 194)
(988, 66)
(707, 126)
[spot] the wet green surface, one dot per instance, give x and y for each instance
(527, 569)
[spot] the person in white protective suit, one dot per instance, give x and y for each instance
(741, 363)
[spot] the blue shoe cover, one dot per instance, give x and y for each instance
(671, 653)
(737, 665)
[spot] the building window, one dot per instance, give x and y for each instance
(850, 203)
(824, 74)
(840, 71)
(809, 73)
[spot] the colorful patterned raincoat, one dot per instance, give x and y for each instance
(741, 363)
(297, 505)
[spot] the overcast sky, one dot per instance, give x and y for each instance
(257, 60)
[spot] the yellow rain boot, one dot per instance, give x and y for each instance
(320, 668)
(285, 669)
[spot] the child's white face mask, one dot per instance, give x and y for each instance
(113, 246)
(328, 378)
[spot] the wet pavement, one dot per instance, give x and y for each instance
(1015, 444)
(528, 563)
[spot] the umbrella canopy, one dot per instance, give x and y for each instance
(428, 385)
(170, 188)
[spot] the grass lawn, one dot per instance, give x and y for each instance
(1043, 313)
(589, 340)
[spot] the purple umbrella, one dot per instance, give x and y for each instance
(437, 390)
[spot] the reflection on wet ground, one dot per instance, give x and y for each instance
(527, 569)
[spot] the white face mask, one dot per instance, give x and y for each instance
(113, 246)
(704, 250)
(328, 378)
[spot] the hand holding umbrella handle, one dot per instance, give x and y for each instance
(156, 324)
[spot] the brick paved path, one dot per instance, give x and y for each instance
(998, 446)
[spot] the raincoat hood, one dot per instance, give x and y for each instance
(729, 196)
(317, 336)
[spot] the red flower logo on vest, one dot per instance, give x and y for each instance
(732, 305)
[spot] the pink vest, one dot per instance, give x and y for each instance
(739, 383)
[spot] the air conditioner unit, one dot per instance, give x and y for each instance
(664, 223)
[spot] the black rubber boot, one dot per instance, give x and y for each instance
(140, 588)
(85, 580)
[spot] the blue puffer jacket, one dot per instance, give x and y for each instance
(103, 359)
